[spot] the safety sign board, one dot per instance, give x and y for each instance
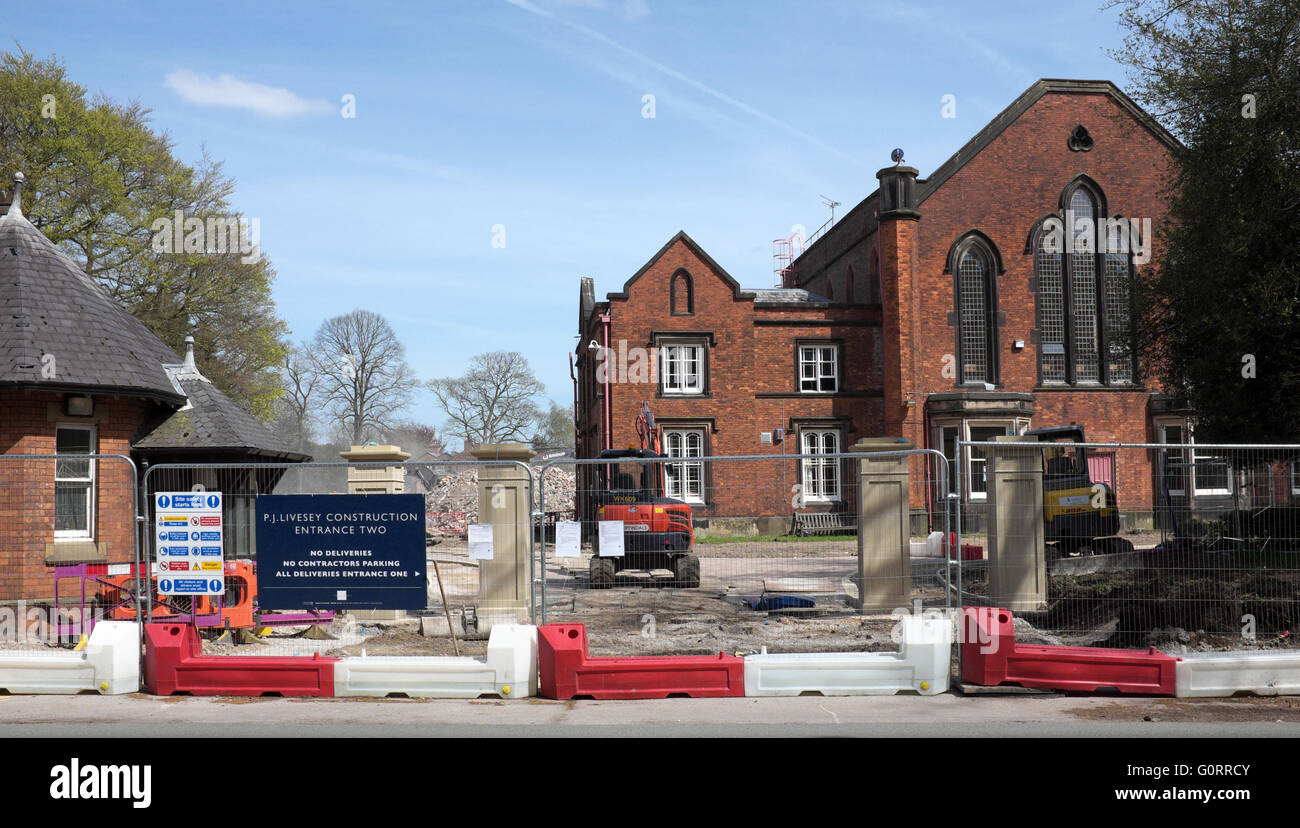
(189, 544)
(342, 551)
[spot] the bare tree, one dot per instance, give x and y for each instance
(300, 379)
(364, 377)
(493, 402)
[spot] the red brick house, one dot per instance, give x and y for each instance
(957, 305)
(81, 376)
(732, 372)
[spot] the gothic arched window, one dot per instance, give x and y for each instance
(681, 294)
(1083, 270)
(975, 265)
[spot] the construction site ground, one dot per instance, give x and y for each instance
(646, 614)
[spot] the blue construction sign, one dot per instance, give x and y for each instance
(341, 552)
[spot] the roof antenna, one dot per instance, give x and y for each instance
(831, 203)
(16, 206)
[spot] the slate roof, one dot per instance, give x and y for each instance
(788, 296)
(49, 306)
(211, 422)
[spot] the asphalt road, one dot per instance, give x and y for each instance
(949, 715)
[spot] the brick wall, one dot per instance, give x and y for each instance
(897, 335)
(28, 421)
(1003, 191)
(752, 386)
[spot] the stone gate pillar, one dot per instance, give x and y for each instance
(884, 575)
(389, 479)
(505, 501)
(1017, 550)
(376, 479)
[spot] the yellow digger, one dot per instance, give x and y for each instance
(1080, 517)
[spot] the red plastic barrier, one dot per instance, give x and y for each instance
(969, 551)
(174, 663)
(565, 671)
(991, 656)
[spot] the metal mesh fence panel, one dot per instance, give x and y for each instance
(68, 547)
(462, 593)
(709, 554)
(1182, 547)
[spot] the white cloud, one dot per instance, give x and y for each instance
(231, 92)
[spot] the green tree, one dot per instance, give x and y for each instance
(554, 428)
(98, 178)
(1221, 305)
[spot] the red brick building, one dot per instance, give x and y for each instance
(724, 376)
(978, 301)
(80, 378)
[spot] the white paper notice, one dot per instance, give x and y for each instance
(611, 538)
(568, 539)
(480, 541)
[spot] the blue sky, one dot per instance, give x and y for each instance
(529, 114)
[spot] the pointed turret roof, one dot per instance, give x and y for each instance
(60, 330)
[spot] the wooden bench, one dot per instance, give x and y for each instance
(825, 523)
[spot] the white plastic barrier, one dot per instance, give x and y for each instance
(922, 665)
(110, 664)
(509, 670)
(1223, 674)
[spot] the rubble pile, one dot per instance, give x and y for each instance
(452, 504)
(560, 484)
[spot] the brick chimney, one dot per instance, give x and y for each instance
(898, 217)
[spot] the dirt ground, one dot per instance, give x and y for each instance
(644, 614)
(1239, 709)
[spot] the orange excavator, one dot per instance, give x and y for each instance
(657, 530)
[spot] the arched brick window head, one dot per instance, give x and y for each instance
(849, 287)
(1085, 320)
(975, 263)
(681, 294)
(974, 322)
